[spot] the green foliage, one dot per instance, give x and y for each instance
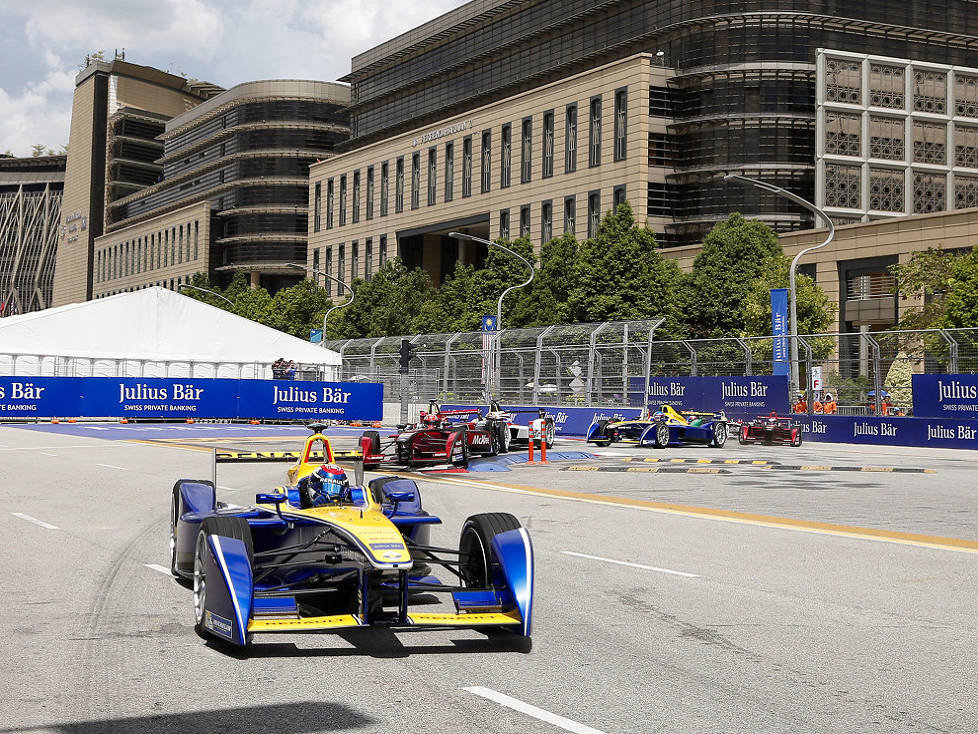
(732, 258)
(961, 298)
(899, 380)
(546, 299)
(925, 278)
(392, 302)
(620, 274)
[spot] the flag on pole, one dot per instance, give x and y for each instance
(488, 327)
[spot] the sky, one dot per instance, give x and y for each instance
(43, 44)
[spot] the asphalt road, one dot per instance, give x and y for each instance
(758, 600)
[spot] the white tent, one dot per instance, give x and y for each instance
(152, 332)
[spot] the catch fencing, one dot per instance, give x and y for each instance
(598, 363)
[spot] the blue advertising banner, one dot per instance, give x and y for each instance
(779, 329)
(39, 397)
(134, 397)
(945, 396)
(297, 400)
(567, 421)
(738, 397)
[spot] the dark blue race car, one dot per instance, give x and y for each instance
(665, 427)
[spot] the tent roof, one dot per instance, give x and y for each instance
(153, 324)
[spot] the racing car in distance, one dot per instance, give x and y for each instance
(771, 429)
(439, 437)
(359, 560)
(519, 434)
(665, 427)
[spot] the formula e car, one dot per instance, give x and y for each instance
(518, 434)
(439, 437)
(360, 560)
(771, 430)
(665, 427)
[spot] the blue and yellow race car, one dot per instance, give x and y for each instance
(359, 559)
(665, 427)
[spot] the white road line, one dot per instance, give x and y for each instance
(633, 565)
(157, 567)
(48, 453)
(113, 466)
(38, 448)
(34, 520)
(536, 713)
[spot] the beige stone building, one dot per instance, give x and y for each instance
(550, 160)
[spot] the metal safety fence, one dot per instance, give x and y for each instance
(605, 363)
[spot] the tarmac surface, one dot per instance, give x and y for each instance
(830, 588)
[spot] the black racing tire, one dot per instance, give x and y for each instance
(225, 527)
(492, 428)
(602, 431)
(796, 438)
(475, 542)
(464, 440)
(661, 435)
(374, 437)
(719, 435)
(549, 432)
(742, 436)
(504, 438)
(403, 452)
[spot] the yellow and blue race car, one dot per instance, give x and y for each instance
(666, 427)
(359, 557)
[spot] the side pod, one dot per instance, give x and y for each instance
(648, 436)
(514, 552)
(228, 600)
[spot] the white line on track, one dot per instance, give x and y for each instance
(38, 448)
(536, 713)
(34, 520)
(157, 567)
(113, 466)
(48, 453)
(632, 565)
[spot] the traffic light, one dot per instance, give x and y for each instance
(407, 353)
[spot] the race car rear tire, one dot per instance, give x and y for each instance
(463, 439)
(742, 436)
(475, 542)
(796, 437)
(661, 436)
(492, 428)
(719, 435)
(602, 431)
(503, 430)
(549, 431)
(225, 527)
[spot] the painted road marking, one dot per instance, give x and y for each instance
(763, 465)
(113, 466)
(771, 521)
(632, 565)
(48, 453)
(157, 567)
(649, 469)
(659, 459)
(34, 520)
(537, 713)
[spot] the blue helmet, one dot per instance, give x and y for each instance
(327, 484)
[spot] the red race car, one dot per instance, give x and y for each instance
(439, 437)
(771, 429)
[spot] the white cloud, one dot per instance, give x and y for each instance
(39, 114)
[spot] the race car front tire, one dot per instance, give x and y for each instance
(742, 436)
(225, 527)
(502, 429)
(602, 431)
(661, 436)
(719, 435)
(475, 543)
(549, 432)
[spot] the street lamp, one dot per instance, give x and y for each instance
(205, 290)
(792, 295)
(497, 372)
(330, 310)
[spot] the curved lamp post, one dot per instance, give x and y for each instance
(497, 372)
(205, 290)
(792, 296)
(330, 310)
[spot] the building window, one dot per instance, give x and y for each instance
(486, 161)
(593, 213)
(594, 133)
(329, 204)
(504, 224)
(384, 187)
(368, 256)
(370, 192)
(328, 285)
(621, 124)
(525, 220)
(383, 250)
(619, 196)
(354, 260)
(570, 214)
(415, 180)
(341, 266)
(315, 264)
(526, 151)
(570, 139)
(356, 196)
(548, 144)
(342, 200)
(399, 186)
(196, 238)
(505, 156)
(467, 167)
(432, 175)
(317, 206)
(449, 170)
(546, 221)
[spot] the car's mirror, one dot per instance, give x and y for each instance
(269, 498)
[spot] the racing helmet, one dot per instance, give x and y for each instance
(327, 484)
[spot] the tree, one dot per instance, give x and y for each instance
(299, 309)
(620, 274)
(732, 258)
(546, 300)
(924, 279)
(960, 303)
